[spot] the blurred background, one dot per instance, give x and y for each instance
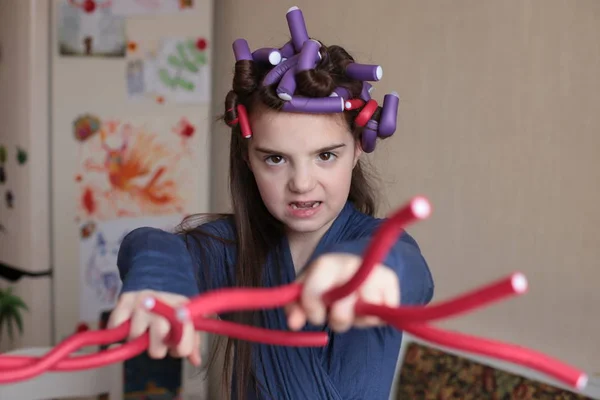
(498, 125)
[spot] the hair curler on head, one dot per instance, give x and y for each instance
(287, 85)
(389, 114)
(317, 105)
(274, 75)
(267, 55)
(364, 72)
(367, 88)
(308, 56)
(241, 50)
(301, 53)
(297, 26)
(341, 92)
(369, 136)
(287, 50)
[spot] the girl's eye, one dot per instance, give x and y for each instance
(326, 156)
(274, 160)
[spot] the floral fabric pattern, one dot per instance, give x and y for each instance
(431, 374)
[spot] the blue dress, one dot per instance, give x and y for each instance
(357, 364)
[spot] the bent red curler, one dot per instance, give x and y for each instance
(412, 319)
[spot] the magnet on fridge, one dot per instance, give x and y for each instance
(85, 126)
(9, 199)
(21, 156)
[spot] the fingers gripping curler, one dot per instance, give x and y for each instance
(413, 319)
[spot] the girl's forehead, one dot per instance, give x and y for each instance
(298, 128)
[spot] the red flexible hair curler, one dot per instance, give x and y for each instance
(412, 319)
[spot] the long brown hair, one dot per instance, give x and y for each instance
(257, 232)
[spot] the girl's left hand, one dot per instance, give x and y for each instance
(331, 270)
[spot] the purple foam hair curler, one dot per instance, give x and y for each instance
(309, 55)
(365, 94)
(364, 72)
(389, 114)
(277, 72)
(297, 27)
(317, 105)
(267, 55)
(241, 50)
(341, 92)
(287, 50)
(287, 85)
(369, 136)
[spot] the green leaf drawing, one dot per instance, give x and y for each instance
(187, 57)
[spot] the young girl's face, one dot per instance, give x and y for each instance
(303, 165)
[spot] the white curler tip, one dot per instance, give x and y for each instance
(284, 96)
(149, 303)
(519, 283)
(582, 382)
(275, 57)
(379, 72)
(348, 105)
(395, 94)
(320, 45)
(420, 207)
(294, 8)
(182, 314)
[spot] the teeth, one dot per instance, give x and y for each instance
(311, 204)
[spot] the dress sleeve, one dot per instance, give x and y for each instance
(405, 258)
(150, 258)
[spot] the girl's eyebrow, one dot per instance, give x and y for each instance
(321, 150)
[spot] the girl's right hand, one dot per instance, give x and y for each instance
(130, 306)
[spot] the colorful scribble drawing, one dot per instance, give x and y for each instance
(102, 275)
(129, 171)
(185, 130)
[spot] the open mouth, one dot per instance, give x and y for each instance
(304, 205)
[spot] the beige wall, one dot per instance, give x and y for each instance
(498, 125)
(23, 123)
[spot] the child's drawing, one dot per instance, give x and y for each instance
(99, 33)
(146, 7)
(101, 274)
(135, 77)
(177, 70)
(133, 170)
(99, 248)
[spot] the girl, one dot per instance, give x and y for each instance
(302, 209)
